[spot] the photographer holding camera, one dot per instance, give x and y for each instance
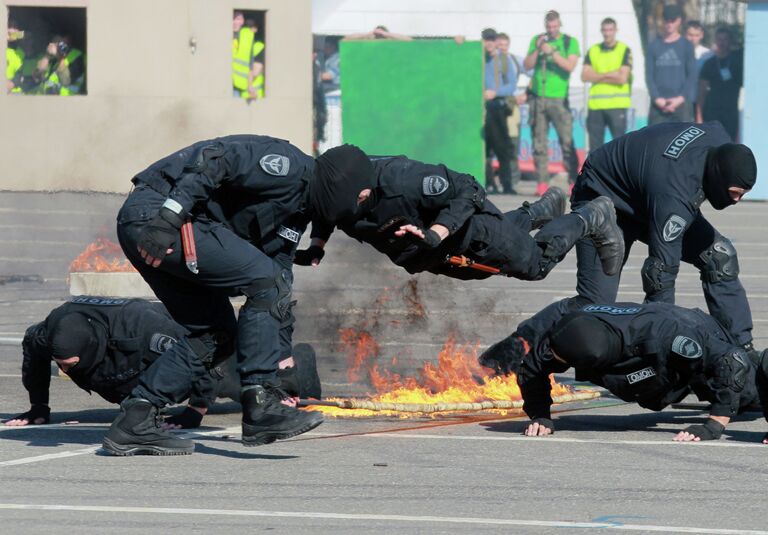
(553, 56)
(62, 69)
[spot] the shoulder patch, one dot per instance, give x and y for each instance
(275, 164)
(434, 185)
(686, 347)
(159, 343)
(289, 234)
(674, 227)
(682, 140)
(641, 375)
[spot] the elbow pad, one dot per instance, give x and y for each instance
(199, 161)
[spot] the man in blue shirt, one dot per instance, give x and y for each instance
(671, 73)
(500, 84)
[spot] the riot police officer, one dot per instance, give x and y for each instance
(419, 214)
(657, 178)
(104, 344)
(248, 199)
(652, 354)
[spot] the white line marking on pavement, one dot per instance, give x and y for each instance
(377, 517)
(542, 440)
(93, 449)
(50, 456)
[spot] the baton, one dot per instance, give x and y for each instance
(188, 244)
(464, 262)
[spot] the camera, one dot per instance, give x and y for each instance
(62, 48)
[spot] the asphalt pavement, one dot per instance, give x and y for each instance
(609, 466)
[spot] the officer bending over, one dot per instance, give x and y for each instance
(652, 354)
(248, 198)
(419, 214)
(105, 344)
(658, 178)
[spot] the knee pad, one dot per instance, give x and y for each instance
(653, 275)
(273, 296)
(212, 347)
(718, 262)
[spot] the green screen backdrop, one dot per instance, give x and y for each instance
(423, 99)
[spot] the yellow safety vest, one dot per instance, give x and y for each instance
(14, 59)
(258, 81)
(242, 48)
(604, 96)
(53, 79)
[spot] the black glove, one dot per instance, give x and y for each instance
(160, 233)
(37, 411)
(189, 418)
(304, 257)
(430, 240)
(545, 422)
(711, 430)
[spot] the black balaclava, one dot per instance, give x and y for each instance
(728, 165)
(341, 174)
(74, 335)
(585, 342)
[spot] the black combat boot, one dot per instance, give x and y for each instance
(266, 418)
(549, 206)
(599, 216)
(137, 430)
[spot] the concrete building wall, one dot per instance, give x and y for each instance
(149, 93)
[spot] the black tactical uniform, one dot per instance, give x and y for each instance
(662, 353)
(116, 340)
(249, 198)
(410, 192)
(657, 178)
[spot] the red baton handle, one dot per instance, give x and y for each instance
(188, 244)
(464, 262)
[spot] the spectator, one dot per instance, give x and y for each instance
(608, 67)
(670, 72)
(14, 55)
(514, 102)
(553, 56)
(379, 32)
(256, 85)
(694, 32)
(247, 77)
(319, 108)
(500, 84)
(720, 83)
(331, 75)
(62, 68)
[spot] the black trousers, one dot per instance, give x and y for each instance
(505, 243)
(598, 120)
(228, 266)
(497, 140)
(726, 299)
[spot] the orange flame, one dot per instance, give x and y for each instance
(101, 255)
(456, 378)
